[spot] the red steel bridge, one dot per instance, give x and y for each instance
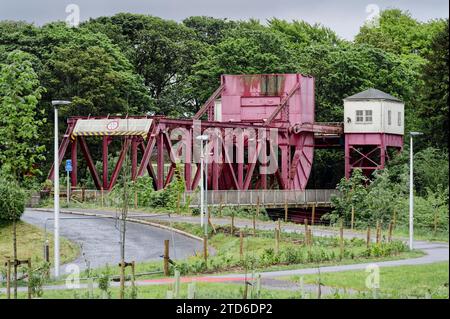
(261, 135)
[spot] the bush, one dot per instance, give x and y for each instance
(12, 199)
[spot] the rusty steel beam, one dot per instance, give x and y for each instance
(207, 104)
(119, 163)
(90, 162)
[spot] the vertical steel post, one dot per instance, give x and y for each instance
(74, 173)
(105, 161)
(56, 194)
(411, 195)
(202, 202)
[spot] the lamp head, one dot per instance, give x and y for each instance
(56, 103)
(202, 137)
(415, 133)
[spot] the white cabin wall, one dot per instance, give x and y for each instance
(350, 108)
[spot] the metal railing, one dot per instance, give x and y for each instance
(261, 197)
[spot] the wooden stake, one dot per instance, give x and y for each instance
(390, 232)
(245, 290)
(191, 290)
(232, 224)
(435, 221)
(306, 230)
(313, 217)
(341, 238)
(254, 224)
(285, 211)
(8, 279)
(166, 257)
(277, 241)
(368, 236)
(257, 206)
(220, 206)
(378, 232)
(205, 250)
(135, 200)
(29, 278)
(176, 288)
(258, 286)
(279, 227)
(310, 240)
(122, 280)
(102, 195)
(241, 244)
(133, 274)
(353, 218)
(211, 224)
(394, 219)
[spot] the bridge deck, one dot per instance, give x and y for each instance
(266, 198)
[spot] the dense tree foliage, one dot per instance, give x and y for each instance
(161, 51)
(20, 125)
(434, 105)
(137, 64)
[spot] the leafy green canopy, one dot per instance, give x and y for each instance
(20, 122)
(12, 199)
(161, 51)
(388, 193)
(399, 33)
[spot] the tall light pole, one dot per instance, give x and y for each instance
(411, 189)
(202, 138)
(56, 104)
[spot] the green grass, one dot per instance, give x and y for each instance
(227, 258)
(203, 291)
(395, 282)
(30, 241)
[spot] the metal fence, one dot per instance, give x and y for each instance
(266, 198)
(261, 197)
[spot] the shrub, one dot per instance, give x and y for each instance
(12, 199)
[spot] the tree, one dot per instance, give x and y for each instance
(20, 92)
(303, 34)
(161, 51)
(12, 206)
(433, 109)
(209, 30)
(353, 191)
(399, 33)
(249, 49)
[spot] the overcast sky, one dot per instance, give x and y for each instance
(343, 16)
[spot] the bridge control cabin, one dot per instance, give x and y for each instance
(373, 123)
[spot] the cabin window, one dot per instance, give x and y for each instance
(399, 119)
(389, 118)
(368, 116)
(359, 116)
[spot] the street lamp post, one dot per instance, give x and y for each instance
(56, 185)
(203, 180)
(411, 190)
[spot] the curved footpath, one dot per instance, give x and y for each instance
(434, 251)
(99, 239)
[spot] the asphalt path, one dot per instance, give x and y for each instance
(99, 239)
(434, 251)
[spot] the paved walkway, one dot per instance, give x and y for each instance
(99, 239)
(434, 252)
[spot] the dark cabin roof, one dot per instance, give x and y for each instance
(372, 94)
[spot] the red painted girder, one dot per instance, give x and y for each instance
(63, 146)
(208, 103)
(317, 127)
(282, 104)
(90, 162)
(116, 171)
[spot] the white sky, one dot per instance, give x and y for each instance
(343, 16)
